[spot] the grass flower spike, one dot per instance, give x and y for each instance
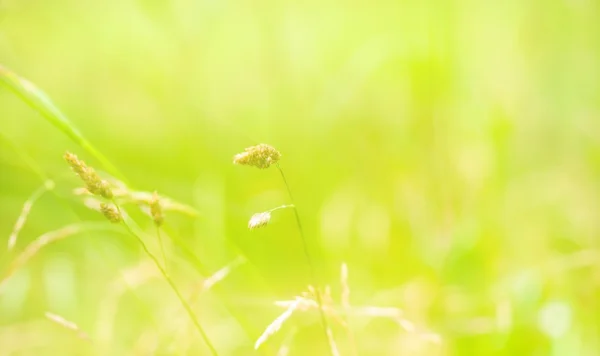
(259, 220)
(111, 213)
(263, 156)
(156, 210)
(89, 176)
(259, 156)
(67, 324)
(262, 219)
(303, 303)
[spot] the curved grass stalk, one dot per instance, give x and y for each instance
(173, 286)
(12, 239)
(67, 324)
(40, 102)
(52, 236)
(64, 232)
(345, 301)
(162, 247)
(313, 273)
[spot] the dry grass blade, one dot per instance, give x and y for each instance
(124, 195)
(183, 340)
(309, 259)
(222, 273)
(49, 237)
(37, 245)
(173, 286)
(332, 345)
(304, 302)
(39, 101)
(345, 300)
(345, 286)
(67, 325)
(12, 239)
(276, 324)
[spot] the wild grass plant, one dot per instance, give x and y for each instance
(263, 156)
(436, 191)
(109, 206)
(107, 197)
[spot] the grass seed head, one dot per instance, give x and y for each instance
(259, 156)
(276, 325)
(88, 175)
(156, 210)
(111, 213)
(259, 220)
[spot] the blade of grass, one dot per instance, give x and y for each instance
(311, 265)
(40, 102)
(35, 168)
(173, 286)
(47, 238)
(24, 157)
(12, 239)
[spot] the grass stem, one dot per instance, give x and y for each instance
(311, 265)
(162, 247)
(174, 287)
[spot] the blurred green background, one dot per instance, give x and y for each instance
(447, 151)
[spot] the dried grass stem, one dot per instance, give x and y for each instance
(310, 262)
(175, 289)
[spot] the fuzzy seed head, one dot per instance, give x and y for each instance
(111, 213)
(260, 156)
(156, 210)
(78, 166)
(89, 176)
(259, 220)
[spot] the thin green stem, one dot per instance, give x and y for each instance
(26, 158)
(41, 102)
(12, 239)
(174, 287)
(162, 247)
(282, 207)
(309, 259)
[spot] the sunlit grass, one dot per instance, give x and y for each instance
(447, 152)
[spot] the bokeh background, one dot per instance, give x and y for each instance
(447, 151)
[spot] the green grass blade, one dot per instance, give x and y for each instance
(25, 158)
(39, 101)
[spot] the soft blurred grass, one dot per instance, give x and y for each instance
(448, 151)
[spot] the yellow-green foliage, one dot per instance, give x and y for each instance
(448, 152)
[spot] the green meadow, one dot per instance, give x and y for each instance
(430, 183)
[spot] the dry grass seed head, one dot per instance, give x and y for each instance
(306, 301)
(88, 175)
(67, 324)
(259, 156)
(259, 220)
(276, 325)
(156, 210)
(111, 213)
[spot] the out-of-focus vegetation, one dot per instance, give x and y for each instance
(447, 151)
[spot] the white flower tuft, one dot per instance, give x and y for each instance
(259, 220)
